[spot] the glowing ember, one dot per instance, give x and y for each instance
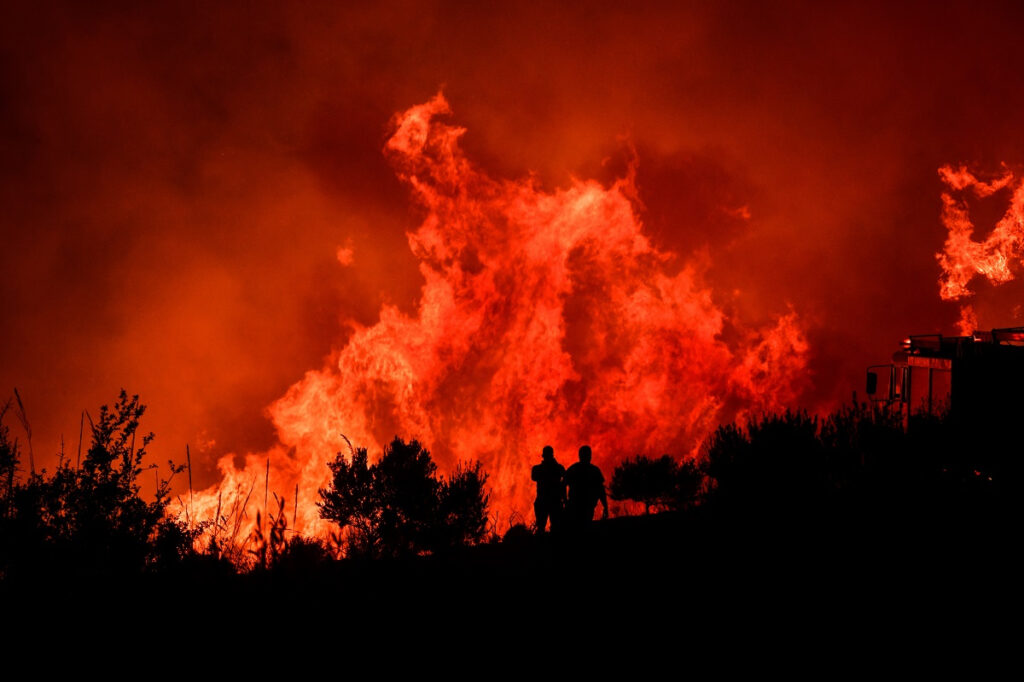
(997, 257)
(544, 317)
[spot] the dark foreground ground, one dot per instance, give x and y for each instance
(835, 578)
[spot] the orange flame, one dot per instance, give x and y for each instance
(544, 318)
(997, 257)
(968, 320)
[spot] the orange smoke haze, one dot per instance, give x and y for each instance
(197, 208)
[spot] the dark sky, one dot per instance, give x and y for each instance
(177, 178)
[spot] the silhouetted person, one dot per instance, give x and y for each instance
(550, 477)
(586, 489)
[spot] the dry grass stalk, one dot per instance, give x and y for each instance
(81, 429)
(28, 431)
(188, 459)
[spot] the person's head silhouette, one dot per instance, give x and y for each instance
(548, 453)
(585, 454)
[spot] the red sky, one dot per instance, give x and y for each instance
(177, 178)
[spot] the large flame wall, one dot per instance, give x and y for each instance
(545, 318)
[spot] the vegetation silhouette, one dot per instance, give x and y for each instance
(776, 461)
(269, 548)
(662, 483)
(788, 504)
(399, 506)
(91, 519)
(864, 458)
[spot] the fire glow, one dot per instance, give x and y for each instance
(997, 257)
(545, 317)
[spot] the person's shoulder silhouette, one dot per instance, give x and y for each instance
(549, 471)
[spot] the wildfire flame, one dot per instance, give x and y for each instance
(545, 317)
(997, 257)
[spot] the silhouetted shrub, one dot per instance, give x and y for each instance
(268, 544)
(863, 445)
(9, 461)
(689, 483)
(91, 519)
(661, 482)
(777, 461)
(399, 506)
(859, 454)
(518, 534)
(302, 557)
(462, 507)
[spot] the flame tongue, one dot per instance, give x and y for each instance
(544, 317)
(997, 257)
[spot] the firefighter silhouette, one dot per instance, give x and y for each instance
(550, 478)
(586, 489)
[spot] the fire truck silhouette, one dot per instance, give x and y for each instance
(977, 380)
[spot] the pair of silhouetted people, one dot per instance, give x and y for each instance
(585, 484)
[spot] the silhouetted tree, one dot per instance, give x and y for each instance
(645, 480)
(661, 482)
(399, 506)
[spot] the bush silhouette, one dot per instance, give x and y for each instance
(462, 507)
(777, 461)
(91, 520)
(399, 506)
(9, 465)
(661, 482)
(858, 454)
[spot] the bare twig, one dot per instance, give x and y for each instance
(351, 450)
(131, 460)
(81, 428)
(187, 519)
(28, 431)
(188, 459)
(238, 518)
